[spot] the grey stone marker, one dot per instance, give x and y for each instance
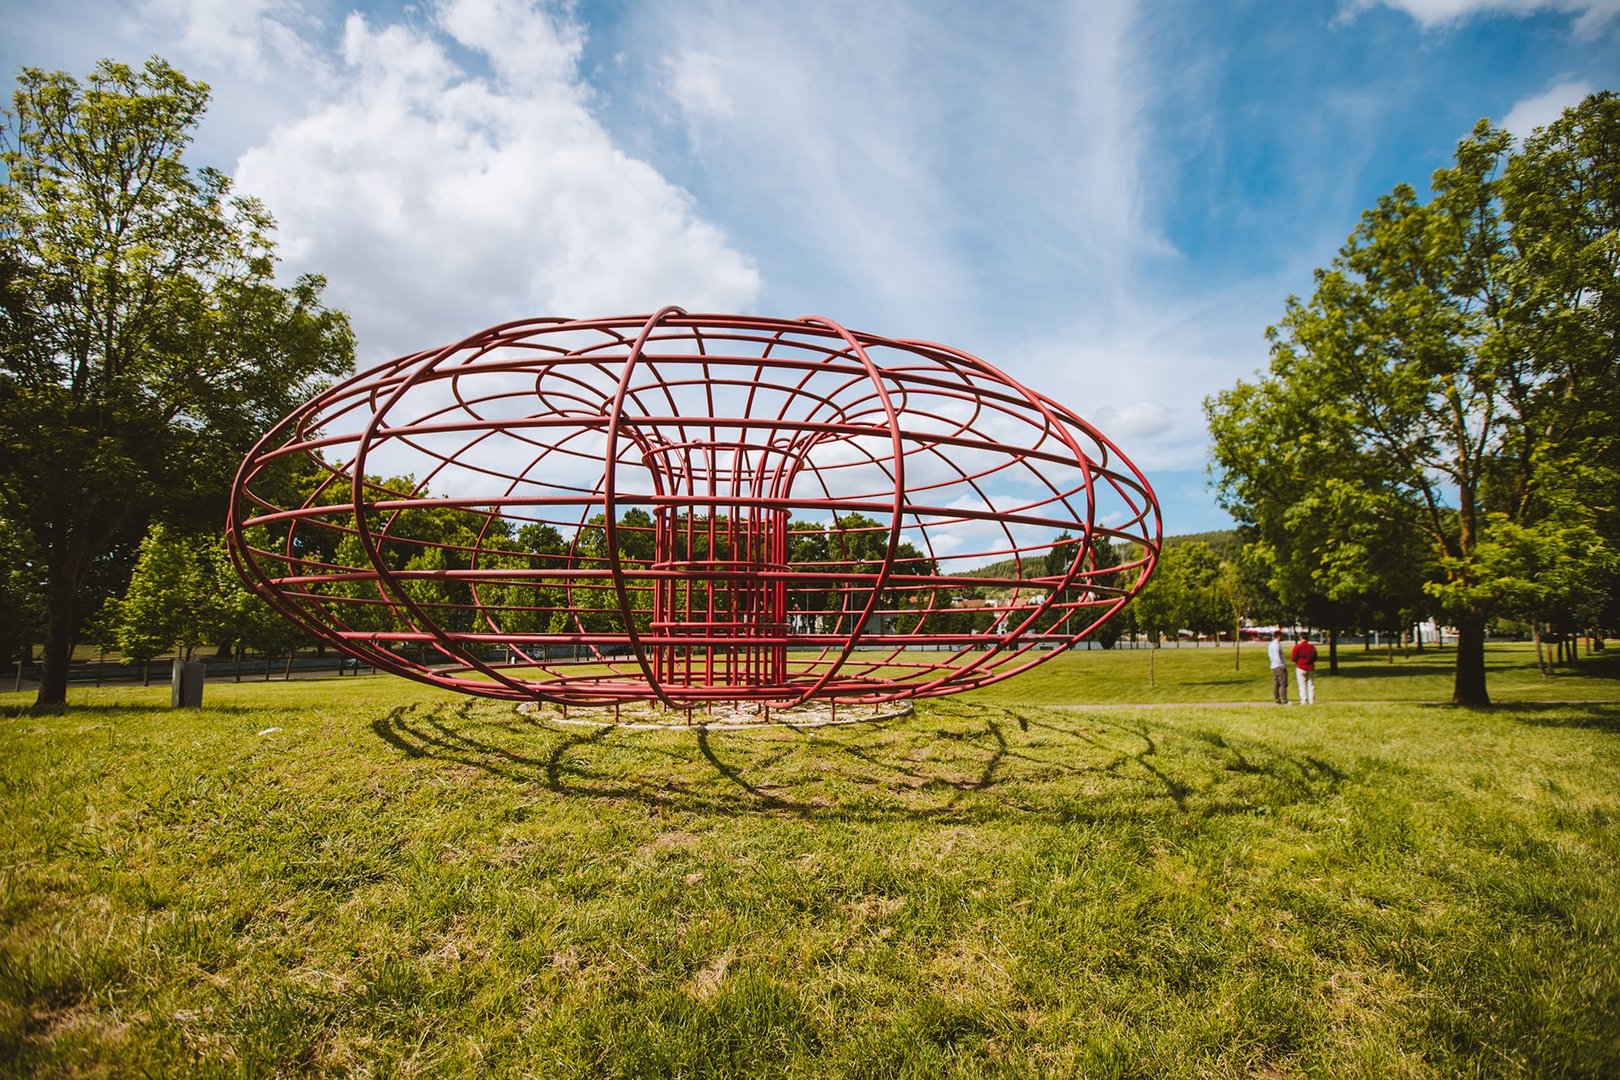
(187, 687)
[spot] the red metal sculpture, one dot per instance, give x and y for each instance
(689, 509)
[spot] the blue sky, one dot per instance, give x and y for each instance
(1110, 200)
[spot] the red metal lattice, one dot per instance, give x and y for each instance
(691, 508)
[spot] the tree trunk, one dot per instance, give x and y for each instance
(1469, 689)
(1152, 648)
(1333, 651)
(58, 652)
(1541, 655)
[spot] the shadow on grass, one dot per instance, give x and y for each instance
(16, 712)
(1551, 714)
(962, 762)
(1380, 670)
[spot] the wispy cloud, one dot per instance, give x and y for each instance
(910, 168)
(254, 39)
(697, 82)
(984, 178)
(1591, 16)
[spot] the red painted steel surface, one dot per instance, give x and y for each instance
(691, 508)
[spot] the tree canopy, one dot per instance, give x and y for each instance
(144, 341)
(1450, 383)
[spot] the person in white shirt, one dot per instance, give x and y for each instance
(1279, 668)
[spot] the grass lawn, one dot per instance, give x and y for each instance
(1206, 673)
(363, 876)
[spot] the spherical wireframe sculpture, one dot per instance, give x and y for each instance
(688, 509)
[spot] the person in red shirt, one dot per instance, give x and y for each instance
(1304, 658)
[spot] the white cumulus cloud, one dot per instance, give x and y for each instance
(441, 194)
(1544, 108)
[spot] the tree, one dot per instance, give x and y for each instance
(1454, 353)
(1093, 585)
(143, 341)
(20, 596)
(1562, 195)
(181, 595)
(1106, 555)
(1065, 550)
(1157, 608)
(1201, 604)
(170, 602)
(1236, 587)
(1550, 575)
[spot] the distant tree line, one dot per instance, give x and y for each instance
(183, 592)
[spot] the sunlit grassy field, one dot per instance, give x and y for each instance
(363, 876)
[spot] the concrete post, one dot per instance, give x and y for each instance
(186, 687)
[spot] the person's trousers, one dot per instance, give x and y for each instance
(1279, 685)
(1307, 687)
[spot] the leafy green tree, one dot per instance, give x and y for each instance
(425, 583)
(1065, 549)
(241, 619)
(544, 548)
(1236, 589)
(1156, 609)
(1561, 194)
(1100, 585)
(1185, 592)
(1105, 556)
(1437, 369)
(427, 547)
(1329, 548)
(259, 628)
(1551, 575)
(21, 595)
(170, 603)
(525, 602)
(1201, 606)
(143, 341)
(1355, 558)
(185, 593)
